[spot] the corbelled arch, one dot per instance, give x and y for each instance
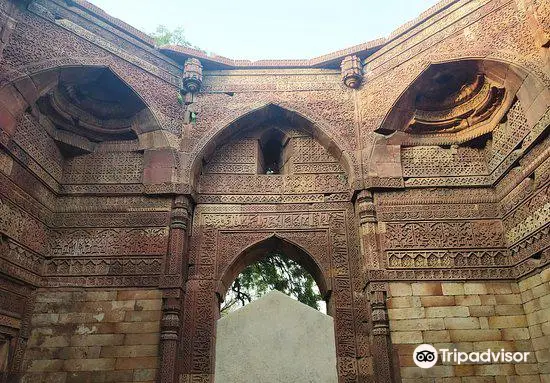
(254, 115)
(289, 248)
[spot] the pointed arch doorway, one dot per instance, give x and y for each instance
(241, 209)
(275, 338)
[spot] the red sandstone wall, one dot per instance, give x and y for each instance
(471, 316)
(93, 335)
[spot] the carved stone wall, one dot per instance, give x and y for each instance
(443, 193)
(310, 170)
(220, 235)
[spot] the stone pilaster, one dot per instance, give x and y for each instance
(381, 341)
(368, 231)
(22, 337)
(172, 283)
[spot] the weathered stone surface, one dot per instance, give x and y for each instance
(92, 339)
(419, 173)
(275, 339)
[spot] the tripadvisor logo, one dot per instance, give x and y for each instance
(426, 356)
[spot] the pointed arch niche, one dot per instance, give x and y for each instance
(272, 151)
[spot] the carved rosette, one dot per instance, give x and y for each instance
(352, 71)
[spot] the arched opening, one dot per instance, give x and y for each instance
(273, 264)
(272, 145)
(246, 339)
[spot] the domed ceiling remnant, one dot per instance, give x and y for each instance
(449, 103)
(93, 103)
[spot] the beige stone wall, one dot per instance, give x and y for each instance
(471, 316)
(535, 296)
(94, 336)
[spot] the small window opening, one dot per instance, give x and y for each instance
(272, 145)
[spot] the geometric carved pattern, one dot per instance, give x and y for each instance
(115, 167)
(443, 234)
(22, 227)
(273, 184)
(507, 136)
(429, 161)
(447, 258)
(218, 240)
(311, 169)
(109, 241)
(34, 140)
(306, 150)
(440, 225)
(102, 266)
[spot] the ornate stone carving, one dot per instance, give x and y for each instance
(352, 71)
(192, 75)
(191, 79)
(172, 283)
(460, 194)
(7, 25)
(370, 248)
(381, 343)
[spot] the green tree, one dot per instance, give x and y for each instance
(165, 36)
(273, 272)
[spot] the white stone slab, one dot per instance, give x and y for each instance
(275, 339)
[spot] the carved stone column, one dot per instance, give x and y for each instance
(373, 263)
(381, 341)
(172, 282)
(23, 337)
(368, 231)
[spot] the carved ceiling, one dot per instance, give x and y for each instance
(93, 103)
(449, 103)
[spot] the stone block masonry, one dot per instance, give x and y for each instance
(535, 298)
(472, 316)
(94, 336)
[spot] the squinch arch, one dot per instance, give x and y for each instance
(22, 93)
(453, 101)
